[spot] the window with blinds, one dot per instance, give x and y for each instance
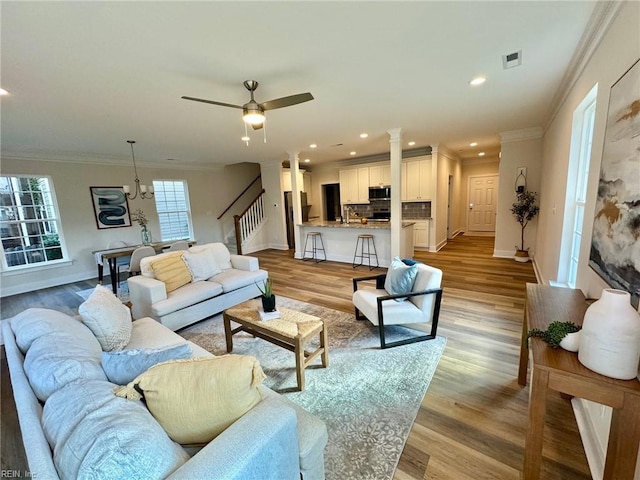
(174, 212)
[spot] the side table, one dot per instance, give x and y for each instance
(559, 370)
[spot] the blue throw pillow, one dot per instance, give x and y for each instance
(400, 278)
(410, 261)
(123, 366)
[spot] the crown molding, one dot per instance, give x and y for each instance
(520, 135)
(88, 159)
(603, 15)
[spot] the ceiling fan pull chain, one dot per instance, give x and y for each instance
(264, 131)
(246, 135)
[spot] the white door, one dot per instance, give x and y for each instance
(483, 200)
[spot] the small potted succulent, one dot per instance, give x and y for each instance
(268, 298)
(559, 334)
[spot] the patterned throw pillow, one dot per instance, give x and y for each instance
(195, 400)
(107, 318)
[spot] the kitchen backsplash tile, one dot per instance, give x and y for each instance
(413, 210)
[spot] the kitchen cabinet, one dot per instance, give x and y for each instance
(354, 185)
(286, 180)
(421, 233)
(416, 180)
(380, 175)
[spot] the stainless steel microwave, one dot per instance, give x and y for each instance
(380, 193)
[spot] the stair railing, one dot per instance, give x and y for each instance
(238, 197)
(246, 223)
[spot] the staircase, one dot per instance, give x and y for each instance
(248, 222)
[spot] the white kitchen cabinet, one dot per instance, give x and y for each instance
(380, 175)
(354, 185)
(416, 180)
(286, 180)
(421, 234)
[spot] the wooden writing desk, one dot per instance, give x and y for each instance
(559, 370)
(112, 255)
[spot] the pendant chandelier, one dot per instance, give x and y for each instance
(143, 190)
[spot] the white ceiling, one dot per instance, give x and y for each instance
(84, 77)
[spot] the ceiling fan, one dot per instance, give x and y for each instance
(252, 111)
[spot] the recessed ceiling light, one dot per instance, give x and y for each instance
(411, 144)
(313, 145)
(477, 81)
(352, 153)
(306, 160)
(473, 144)
(481, 154)
(3, 92)
(364, 135)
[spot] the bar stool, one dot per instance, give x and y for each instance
(314, 247)
(368, 238)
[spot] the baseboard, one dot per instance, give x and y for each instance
(440, 245)
(504, 253)
(595, 456)
(47, 283)
(278, 246)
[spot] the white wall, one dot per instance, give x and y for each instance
(616, 53)
(446, 163)
(207, 189)
(276, 235)
(522, 148)
(618, 50)
(471, 168)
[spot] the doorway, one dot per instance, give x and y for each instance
(331, 201)
(483, 199)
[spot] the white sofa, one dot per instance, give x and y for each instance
(73, 426)
(234, 280)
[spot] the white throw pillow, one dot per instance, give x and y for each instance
(107, 318)
(202, 265)
(220, 253)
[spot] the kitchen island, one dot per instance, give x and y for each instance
(340, 239)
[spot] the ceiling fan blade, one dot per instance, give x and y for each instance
(212, 102)
(258, 126)
(286, 101)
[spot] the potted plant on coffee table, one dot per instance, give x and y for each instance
(524, 209)
(268, 298)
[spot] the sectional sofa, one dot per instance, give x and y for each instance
(74, 426)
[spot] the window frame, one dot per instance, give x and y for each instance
(577, 184)
(7, 269)
(160, 212)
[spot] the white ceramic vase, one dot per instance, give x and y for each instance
(610, 338)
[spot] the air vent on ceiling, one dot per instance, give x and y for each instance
(512, 60)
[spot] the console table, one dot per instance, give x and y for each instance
(559, 370)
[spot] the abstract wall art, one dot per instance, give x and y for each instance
(110, 207)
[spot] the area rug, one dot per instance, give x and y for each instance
(368, 397)
(123, 291)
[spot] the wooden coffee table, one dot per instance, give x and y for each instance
(291, 331)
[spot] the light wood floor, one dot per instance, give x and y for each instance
(472, 422)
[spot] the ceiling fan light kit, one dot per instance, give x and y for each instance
(142, 190)
(252, 111)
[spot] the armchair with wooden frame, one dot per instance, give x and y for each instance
(420, 308)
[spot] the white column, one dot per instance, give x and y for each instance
(395, 141)
(294, 165)
(435, 160)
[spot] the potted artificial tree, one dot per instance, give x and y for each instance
(524, 209)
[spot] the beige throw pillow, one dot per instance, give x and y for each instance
(172, 271)
(195, 400)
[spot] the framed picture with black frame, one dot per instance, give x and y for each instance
(111, 207)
